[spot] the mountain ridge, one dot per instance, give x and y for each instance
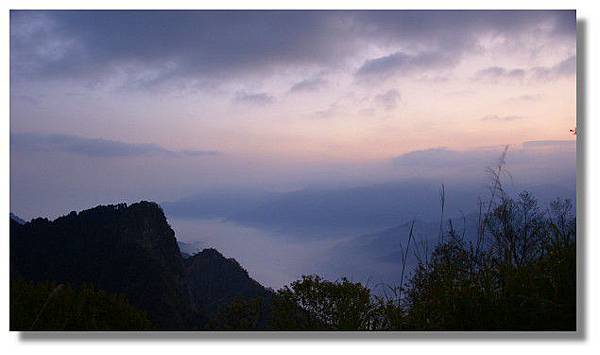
(128, 250)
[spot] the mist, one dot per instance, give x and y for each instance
(50, 182)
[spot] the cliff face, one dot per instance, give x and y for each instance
(121, 249)
(130, 250)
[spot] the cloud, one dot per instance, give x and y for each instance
(403, 64)
(502, 118)
(26, 99)
(366, 112)
(192, 46)
(308, 85)
(522, 159)
(549, 144)
(564, 68)
(458, 32)
(452, 29)
(94, 147)
(150, 48)
(442, 156)
(330, 111)
(496, 73)
(388, 100)
(254, 98)
(196, 153)
(524, 98)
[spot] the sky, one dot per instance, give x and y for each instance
(111, 106)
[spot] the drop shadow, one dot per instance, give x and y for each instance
(294, 336)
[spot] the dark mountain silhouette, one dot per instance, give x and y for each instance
(120, 249)
(216, 281)
(129, 250)
(14, 217)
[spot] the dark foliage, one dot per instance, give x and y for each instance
(316, 304)
(242, 314)
(59, 307)
(524, 279)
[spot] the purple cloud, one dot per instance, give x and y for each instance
(94, 147)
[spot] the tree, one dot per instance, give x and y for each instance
(523, 279)
(316, 304)
(241, 314)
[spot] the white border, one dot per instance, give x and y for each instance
(586, 10)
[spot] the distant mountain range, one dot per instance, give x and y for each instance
(130, 250)
(375, 258)
(372, 207)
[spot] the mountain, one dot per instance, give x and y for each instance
(17, 219)
(216, 281)
(361, 208)
(218, 204)
(118, 248)
(386, 245)
(376, 258)
(129, 250)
